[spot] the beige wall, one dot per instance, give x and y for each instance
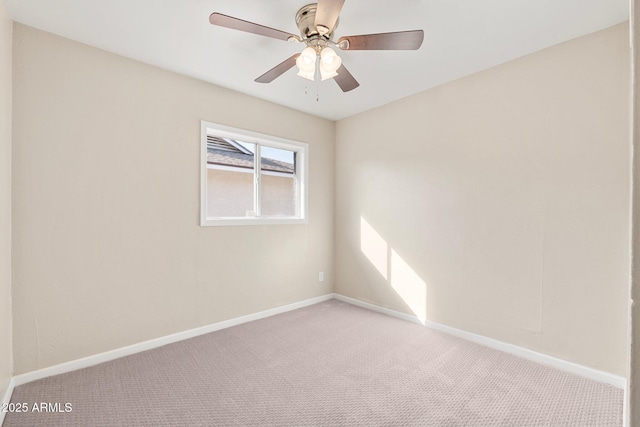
(6, 359)
(108, 251)
(634, 353)
(499, 203)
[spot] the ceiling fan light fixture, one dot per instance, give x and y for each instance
(306, 75)
(306, 63)
(324, 75)
(329, 60)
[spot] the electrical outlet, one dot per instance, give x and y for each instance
(321, 276)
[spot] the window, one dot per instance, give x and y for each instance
(250, 178)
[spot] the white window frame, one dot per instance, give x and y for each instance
(302, 159)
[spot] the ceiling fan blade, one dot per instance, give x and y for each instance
(327, 13)
(345, 80)
(278, 70)
(402, 40)
(249, 27)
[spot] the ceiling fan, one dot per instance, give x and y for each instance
(317, 23)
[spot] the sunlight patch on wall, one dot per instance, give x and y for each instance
(411, 288)
(398, 273)
(374, 247)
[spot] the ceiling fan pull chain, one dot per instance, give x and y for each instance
(306, 92)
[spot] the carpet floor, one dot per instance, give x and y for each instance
(330, 364)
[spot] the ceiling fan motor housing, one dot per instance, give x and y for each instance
(306, 22)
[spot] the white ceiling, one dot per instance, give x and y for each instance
(461, 38)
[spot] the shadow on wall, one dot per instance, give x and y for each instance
(394, 269)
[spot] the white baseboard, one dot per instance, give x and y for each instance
(564, 365)
(544, 359)
(6, 398)
(157, 342)
(379, 309)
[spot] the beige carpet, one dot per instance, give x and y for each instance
(330, 364)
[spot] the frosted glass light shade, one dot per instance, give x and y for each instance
(308, 76)
(325, 74)
(330, 60)
(306, 63)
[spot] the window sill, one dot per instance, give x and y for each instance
(217, 222)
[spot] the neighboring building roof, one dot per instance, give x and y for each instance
(227, 152)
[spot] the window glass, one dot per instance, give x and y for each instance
(230, 176)
(278, 182)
